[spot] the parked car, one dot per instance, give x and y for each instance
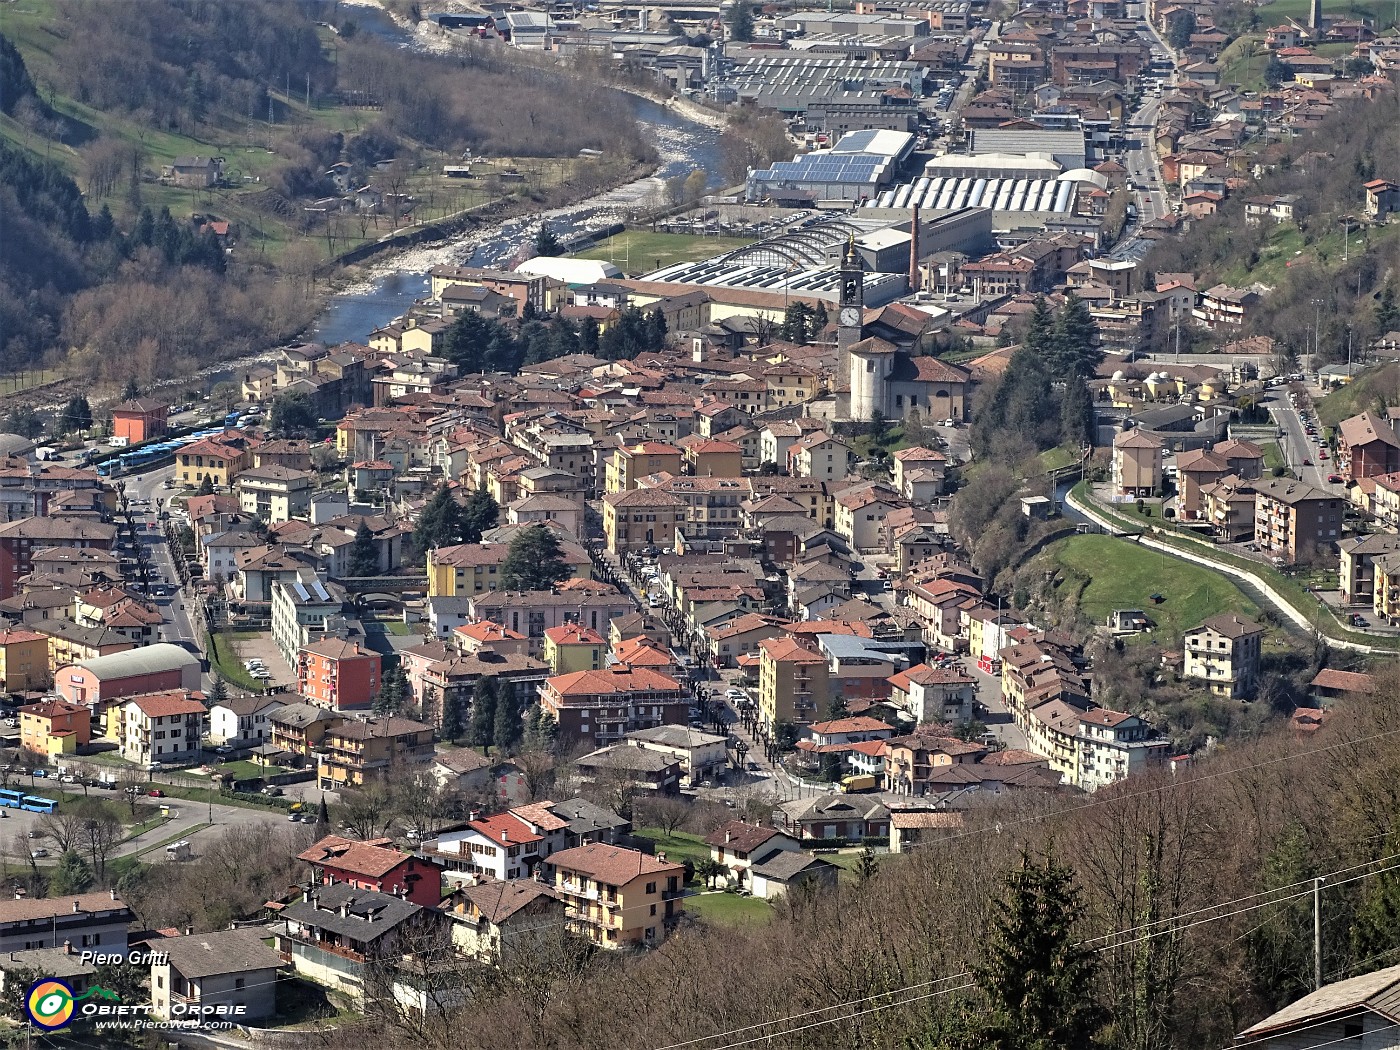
(1335, 479)
(40, 852)
(156, 793)
(272, 789)
(1307, 462)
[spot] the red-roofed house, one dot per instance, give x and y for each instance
(375, 865)
(54, 727)
(1330, 684)
(619, 897)
(934, 694)
(794, 682)
(850, 730)
(605, 706)
(160, 728)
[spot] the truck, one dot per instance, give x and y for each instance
(859, 782)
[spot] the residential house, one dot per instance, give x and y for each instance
(633, 770)
(571, 647)
(229, 974)
(606, 705)
(243, 721)
(357, 749)
(637, 519)
(630, 463)
(24, 660)
(1331, 684)
(1137, 464)
(340, 931)
(93, 921)
(497, 921)
(52, 728)
(784, 871)
(139, 419)
(819, 455)
(1359, 1012)
(934, 694)
(1222, 305)
(275, 493)
(835, 819)
(1357, 571)
(1367, 446)
(21, 539)
(700, 755)
(162, 728)
(1224, 652)
(338, 674)
(794, 683)
(1382, 198)
(374, 865)
(299, 730)
(1294, 521)
(739, 845)
(1114, 745)
(618, 897)
(218, 460)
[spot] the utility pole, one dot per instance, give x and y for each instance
(1317, 933)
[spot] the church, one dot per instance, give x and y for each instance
(886, 360)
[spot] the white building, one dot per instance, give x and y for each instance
(700, 755)
(243, 721)
(1224, 653)
(163, 728)
(1113, 745)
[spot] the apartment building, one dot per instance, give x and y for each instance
(618, 897)
(1113, 745)
(1223, 652)
(794, 683)
(604, 706)
(162, 728)
(358, 749)
(338, 674)
(1294, 521)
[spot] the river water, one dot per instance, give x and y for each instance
(392, 287)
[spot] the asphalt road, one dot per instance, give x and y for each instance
(1298, 445)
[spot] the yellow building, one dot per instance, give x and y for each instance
(218, 459)
(24, 661)
(618, 897)
(54, 727)
(640, 518)
(790, 384)
(572, 647)
(465, 569)
(357, 750)
(793, 683)
(712, 458)
(631, 462)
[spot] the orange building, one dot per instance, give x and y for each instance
(54, 727)
(338, 674)
(139, 419)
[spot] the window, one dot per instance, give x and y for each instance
(240, 982)
(653, 909)
(651, 887)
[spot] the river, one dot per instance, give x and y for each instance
(392, 286)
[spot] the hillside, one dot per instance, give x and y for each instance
(294, 97)
(1327, 272)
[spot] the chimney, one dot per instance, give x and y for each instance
(728, 835)
(113, 892)
(914, 251)
(189, 931)
(661, 856)
(67, 947)
(344, 910)
(76, 908)
(505, 835)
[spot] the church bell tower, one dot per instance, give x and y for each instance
(852, 304)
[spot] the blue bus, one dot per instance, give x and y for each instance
(10, 799)
(231, 418)
(35, 804)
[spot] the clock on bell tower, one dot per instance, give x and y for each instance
(852, 289)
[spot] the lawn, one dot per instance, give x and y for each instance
(679, 846)
(1120, 574)
(1382, 12)
(729, 909)
(225, 662)
(1273, 456)
(641, 251)
(1059, 457)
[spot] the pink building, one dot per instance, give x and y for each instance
(145, 670)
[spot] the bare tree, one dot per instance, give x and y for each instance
(367, 811)
(666, 812)
(100, 834)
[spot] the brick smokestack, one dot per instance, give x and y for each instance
(914, 252)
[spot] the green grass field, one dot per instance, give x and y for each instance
(1273, 456)
(1381, 12)
(729, 909)
(640, 251)
(1122, 575)
(1347, 401)
(679, 846)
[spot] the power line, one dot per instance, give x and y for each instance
(966, 973)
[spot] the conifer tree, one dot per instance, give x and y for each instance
(483, 713)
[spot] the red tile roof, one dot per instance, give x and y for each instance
(353, 855)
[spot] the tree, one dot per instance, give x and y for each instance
(879, 428)
(132, 390)
(1037, 982)
(797, 322)
(218, 692)
(741, 22)
(1179, 30)
(393, 691)
(1375, 924)
(24, 421)
(364, 554)
(323, 814)
(100, 834)
(76, 416)
(481, 512)
(206, 486)
(1074, 347)
(546, 243)
(867, 866)
(483, 712)
(71, 876)
(439, 523)
(707, 870)
(1275, 72)
(1387, 313)
(452, 728)
(1076, 413)
(1280, 944)
(507, 729)
(535, 561)
(293, 414)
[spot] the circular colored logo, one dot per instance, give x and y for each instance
(50, 1003)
